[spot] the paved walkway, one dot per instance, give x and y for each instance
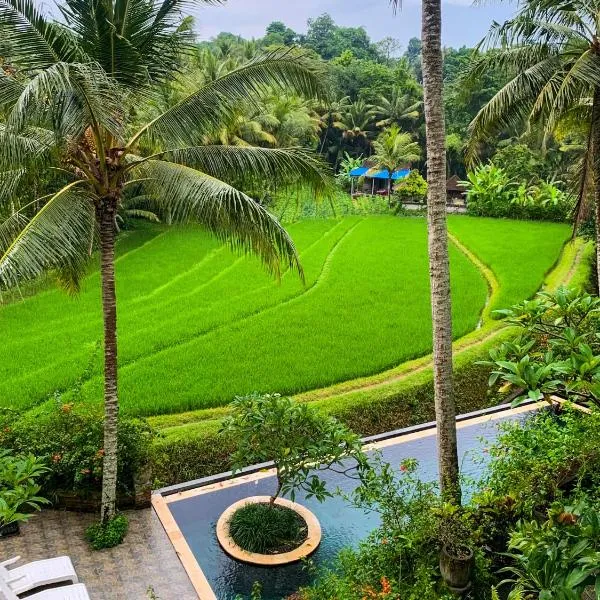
(146, 558)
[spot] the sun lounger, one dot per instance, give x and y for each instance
(38, 573)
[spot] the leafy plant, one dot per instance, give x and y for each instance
(492, 192)
(557, 351)
(348, 164)
(263, 528)
(558, 559)
(19, 492)
(300, 442)
(489, 190)
(107, 534)
(540, 460)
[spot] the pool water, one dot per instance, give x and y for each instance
(342, 524)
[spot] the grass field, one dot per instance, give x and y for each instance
(198, 324)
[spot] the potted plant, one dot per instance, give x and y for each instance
(456, 553)
(301, 443)
(19, 493)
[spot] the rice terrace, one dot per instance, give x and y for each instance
(299, 306)
(200, 324)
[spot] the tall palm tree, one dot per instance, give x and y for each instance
(75, 90)
(552, 52)
(437, 229)
(394, 149)
(400, 108)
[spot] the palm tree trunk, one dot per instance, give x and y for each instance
(106, 220)
(595, 130)
(439, 266)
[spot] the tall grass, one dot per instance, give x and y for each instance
(198, 324)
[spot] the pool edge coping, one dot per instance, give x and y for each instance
(367, 441)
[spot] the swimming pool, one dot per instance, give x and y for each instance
(190, 516)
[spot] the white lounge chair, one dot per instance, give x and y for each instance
(65, 592)
(37, 573)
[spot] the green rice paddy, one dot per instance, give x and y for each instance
(199, 324)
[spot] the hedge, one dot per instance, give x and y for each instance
(193, 450)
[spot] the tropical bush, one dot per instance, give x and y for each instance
(19, 490)
(107, 534)
(520, 163)
(411, 189)
(557, 351)
(559, 558)
(69, 439)
(300, 442)
(491, 192)
(543, 459)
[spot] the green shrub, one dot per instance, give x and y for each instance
(411, 189)
(544, 459)
(558, 558)
(109, 534)
(491, 192)
(557, 350)
(69, 439)
(264, 528)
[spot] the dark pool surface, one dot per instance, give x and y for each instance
(342, 525)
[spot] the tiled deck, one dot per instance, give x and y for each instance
(146, 558)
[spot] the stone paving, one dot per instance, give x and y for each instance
(146, 558)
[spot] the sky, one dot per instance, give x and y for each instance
(463, 23)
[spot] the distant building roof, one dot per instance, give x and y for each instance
(453, 185)
(373, 173)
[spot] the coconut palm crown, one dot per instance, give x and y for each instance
(70, 91)
(551, 53)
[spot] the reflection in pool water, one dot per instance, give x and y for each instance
(342, 525)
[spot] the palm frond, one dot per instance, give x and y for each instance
(511, 105)
(35, 43)
(9, 181)
(79, 95)
(281, 167)
(55, 238)
(205, 110)
(10, 89)
(24, 147)
(231, 215)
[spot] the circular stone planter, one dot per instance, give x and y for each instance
(313, 538)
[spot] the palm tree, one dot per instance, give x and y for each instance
(75, 94)
(437, 230)
(359, 121)
(332, 117)
(394, 149)
(551, 51)
(400, 108)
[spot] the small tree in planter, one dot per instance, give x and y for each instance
(18, 490)
(301, 443)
